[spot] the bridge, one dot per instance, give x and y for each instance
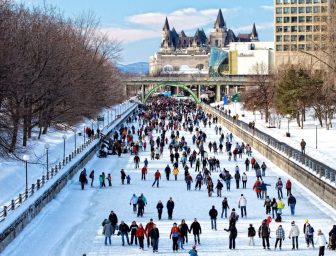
(226, 85)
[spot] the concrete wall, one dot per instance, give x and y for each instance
(15, 228)
(316, 185)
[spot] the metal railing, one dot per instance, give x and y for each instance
(25, 195)
(312, 165)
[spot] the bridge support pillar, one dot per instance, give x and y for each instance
(143, 93)
(218, 92)
(198, 91)
(227, 90)
(236, 88)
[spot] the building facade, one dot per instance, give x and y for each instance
(179, 52)
(299, 26)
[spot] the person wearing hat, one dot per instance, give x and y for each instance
(321, 241)
(280, 235)
(294, 234)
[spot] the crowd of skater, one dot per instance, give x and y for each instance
(167, 118)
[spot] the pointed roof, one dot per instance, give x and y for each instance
(220, 23)
(254, 33)
(183, 34)
(166, 25)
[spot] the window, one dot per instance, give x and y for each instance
(308, 1)
(286, 19)
(286, 47)
(294, 29)
(301, 46)
(279, 38)
(294, 19)
(278, 29)
(286, 1)
(324, 19)
(279, 48)
(324, 1)
(309, 19)
(278, 1)
(301, 38)
(309, 38)
(302, 28)
(324, 9)
(278, 10)
(278, 19)
(309, 9)
(294, 1)
(286, 10)
(293, 47)
(301, 1)
(316, 1)
(301, 10)
(302, 19)
(286, 29)
(294, 38)
(316, 28)
(286, 38)
(308, 47)
(309, 28)
(323, 28)
(317, 9)
(293, 10)
(317, 18)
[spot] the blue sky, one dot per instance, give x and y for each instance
(138, 23)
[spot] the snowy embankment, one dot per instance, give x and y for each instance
(326, 148)
(71, 224)
(12, 174)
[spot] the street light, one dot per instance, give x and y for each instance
(64, 138)
(75, 131)
(84, 132)
(47, 146)
(316, 124)
(288, 117)
(26, 159)
(254, 109)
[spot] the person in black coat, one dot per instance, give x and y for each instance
(184, 229)
(159, 208)
(332, 235)
(213, 217)
(133, 229)
(123, 176)
(113, 218)
(170, 208)
(232, 237)
(124, 229)
(155, 235)
(195, 227)
(141, 206)
(82, 179)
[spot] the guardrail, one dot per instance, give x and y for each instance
(312, 165)
(25, 195)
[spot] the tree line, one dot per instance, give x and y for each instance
(53, 70)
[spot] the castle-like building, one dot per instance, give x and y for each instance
(179, 50)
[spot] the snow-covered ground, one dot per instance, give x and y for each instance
(12, 172)
(71, 224)
(326, 147)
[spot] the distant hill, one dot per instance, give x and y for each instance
(135, 68)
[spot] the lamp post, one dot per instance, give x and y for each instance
(84, 132)
(75, 133)
(235, 105)
(243, 108)
(288, 118)
(26, 159)
(316, 124)
(254, 108)
(47, 146)
(64, 138)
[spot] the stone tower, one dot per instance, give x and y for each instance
(219, 33)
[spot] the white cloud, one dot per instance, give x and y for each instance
(267, 7)
(150, 24)
(127, 35)
(188, 18)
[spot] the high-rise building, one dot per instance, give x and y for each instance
(299, 26)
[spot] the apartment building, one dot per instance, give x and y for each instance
(299, 27)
